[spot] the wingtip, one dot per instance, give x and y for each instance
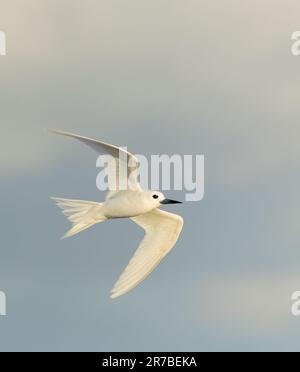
(52, 130)
(68, 134)
(57, 131)
(114, 295)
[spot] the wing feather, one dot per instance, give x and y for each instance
(120, 155)
(162, 230)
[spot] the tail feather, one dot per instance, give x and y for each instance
(81, 213)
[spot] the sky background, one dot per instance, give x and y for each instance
(161, 76)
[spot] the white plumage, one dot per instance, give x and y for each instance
(162, 229)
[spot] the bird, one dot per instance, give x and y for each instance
(162, 229)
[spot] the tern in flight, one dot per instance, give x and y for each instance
(162, 229)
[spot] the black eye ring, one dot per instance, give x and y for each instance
(155, 196)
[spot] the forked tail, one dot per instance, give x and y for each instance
(83, 214)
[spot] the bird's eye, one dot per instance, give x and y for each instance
(155, 196)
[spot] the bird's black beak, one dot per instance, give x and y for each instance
(170, 201)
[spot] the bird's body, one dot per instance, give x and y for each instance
(162, 229)
(128, 203)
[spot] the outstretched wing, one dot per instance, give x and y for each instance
(162, 231)
(125, 165)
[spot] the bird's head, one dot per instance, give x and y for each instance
(157, 199)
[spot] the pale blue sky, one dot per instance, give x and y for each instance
(193, 77)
